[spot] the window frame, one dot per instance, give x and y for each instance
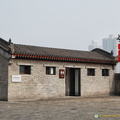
(105, 72)
(50, 70)
(25, 70)
(89, 72)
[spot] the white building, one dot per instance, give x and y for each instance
(94, 44)
(111, 44)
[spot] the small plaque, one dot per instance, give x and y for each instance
(61, 73)
(16, 78)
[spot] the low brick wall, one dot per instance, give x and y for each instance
(117, 84)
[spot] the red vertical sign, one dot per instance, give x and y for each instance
(61, 73)
(119, 46)
(118, 59)
(118, 52)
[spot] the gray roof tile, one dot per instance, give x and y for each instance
(96, 54)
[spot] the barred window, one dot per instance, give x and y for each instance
(90, 72)
(51, 70)
(25, 69)
(105, 72)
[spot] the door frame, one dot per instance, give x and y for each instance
(70, 80)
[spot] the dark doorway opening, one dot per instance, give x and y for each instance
(73, 82)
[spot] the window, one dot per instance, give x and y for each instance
(50, 70)
(105, 72)
(25, 69)
(91, 72)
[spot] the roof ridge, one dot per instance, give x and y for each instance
(103, 52)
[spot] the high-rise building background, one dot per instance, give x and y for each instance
(94, 44)
(111, 44)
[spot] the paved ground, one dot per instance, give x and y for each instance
(63, 109)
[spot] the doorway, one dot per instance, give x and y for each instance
(73, 82)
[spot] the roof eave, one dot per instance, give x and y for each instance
(64, 59)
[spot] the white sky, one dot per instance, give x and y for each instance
(70, 24)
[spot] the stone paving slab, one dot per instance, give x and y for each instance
(74, 108)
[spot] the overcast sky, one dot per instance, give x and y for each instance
(69, 24)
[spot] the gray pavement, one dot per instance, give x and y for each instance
(73, 108)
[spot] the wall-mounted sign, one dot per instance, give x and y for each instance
(16, 78)
(118, 46)
(118, 52)
(118, 58)
(61, 73)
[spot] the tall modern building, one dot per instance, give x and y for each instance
(110, 44)
(94, 44)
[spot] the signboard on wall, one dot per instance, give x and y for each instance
(118, 52)
(119, 59)
(61, 73)
(16, 78)
(118, 48)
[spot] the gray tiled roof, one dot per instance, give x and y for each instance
(96, 54)
(5, 45)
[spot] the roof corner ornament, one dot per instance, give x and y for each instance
(111, 52)
(118, 38)
(10, 41)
